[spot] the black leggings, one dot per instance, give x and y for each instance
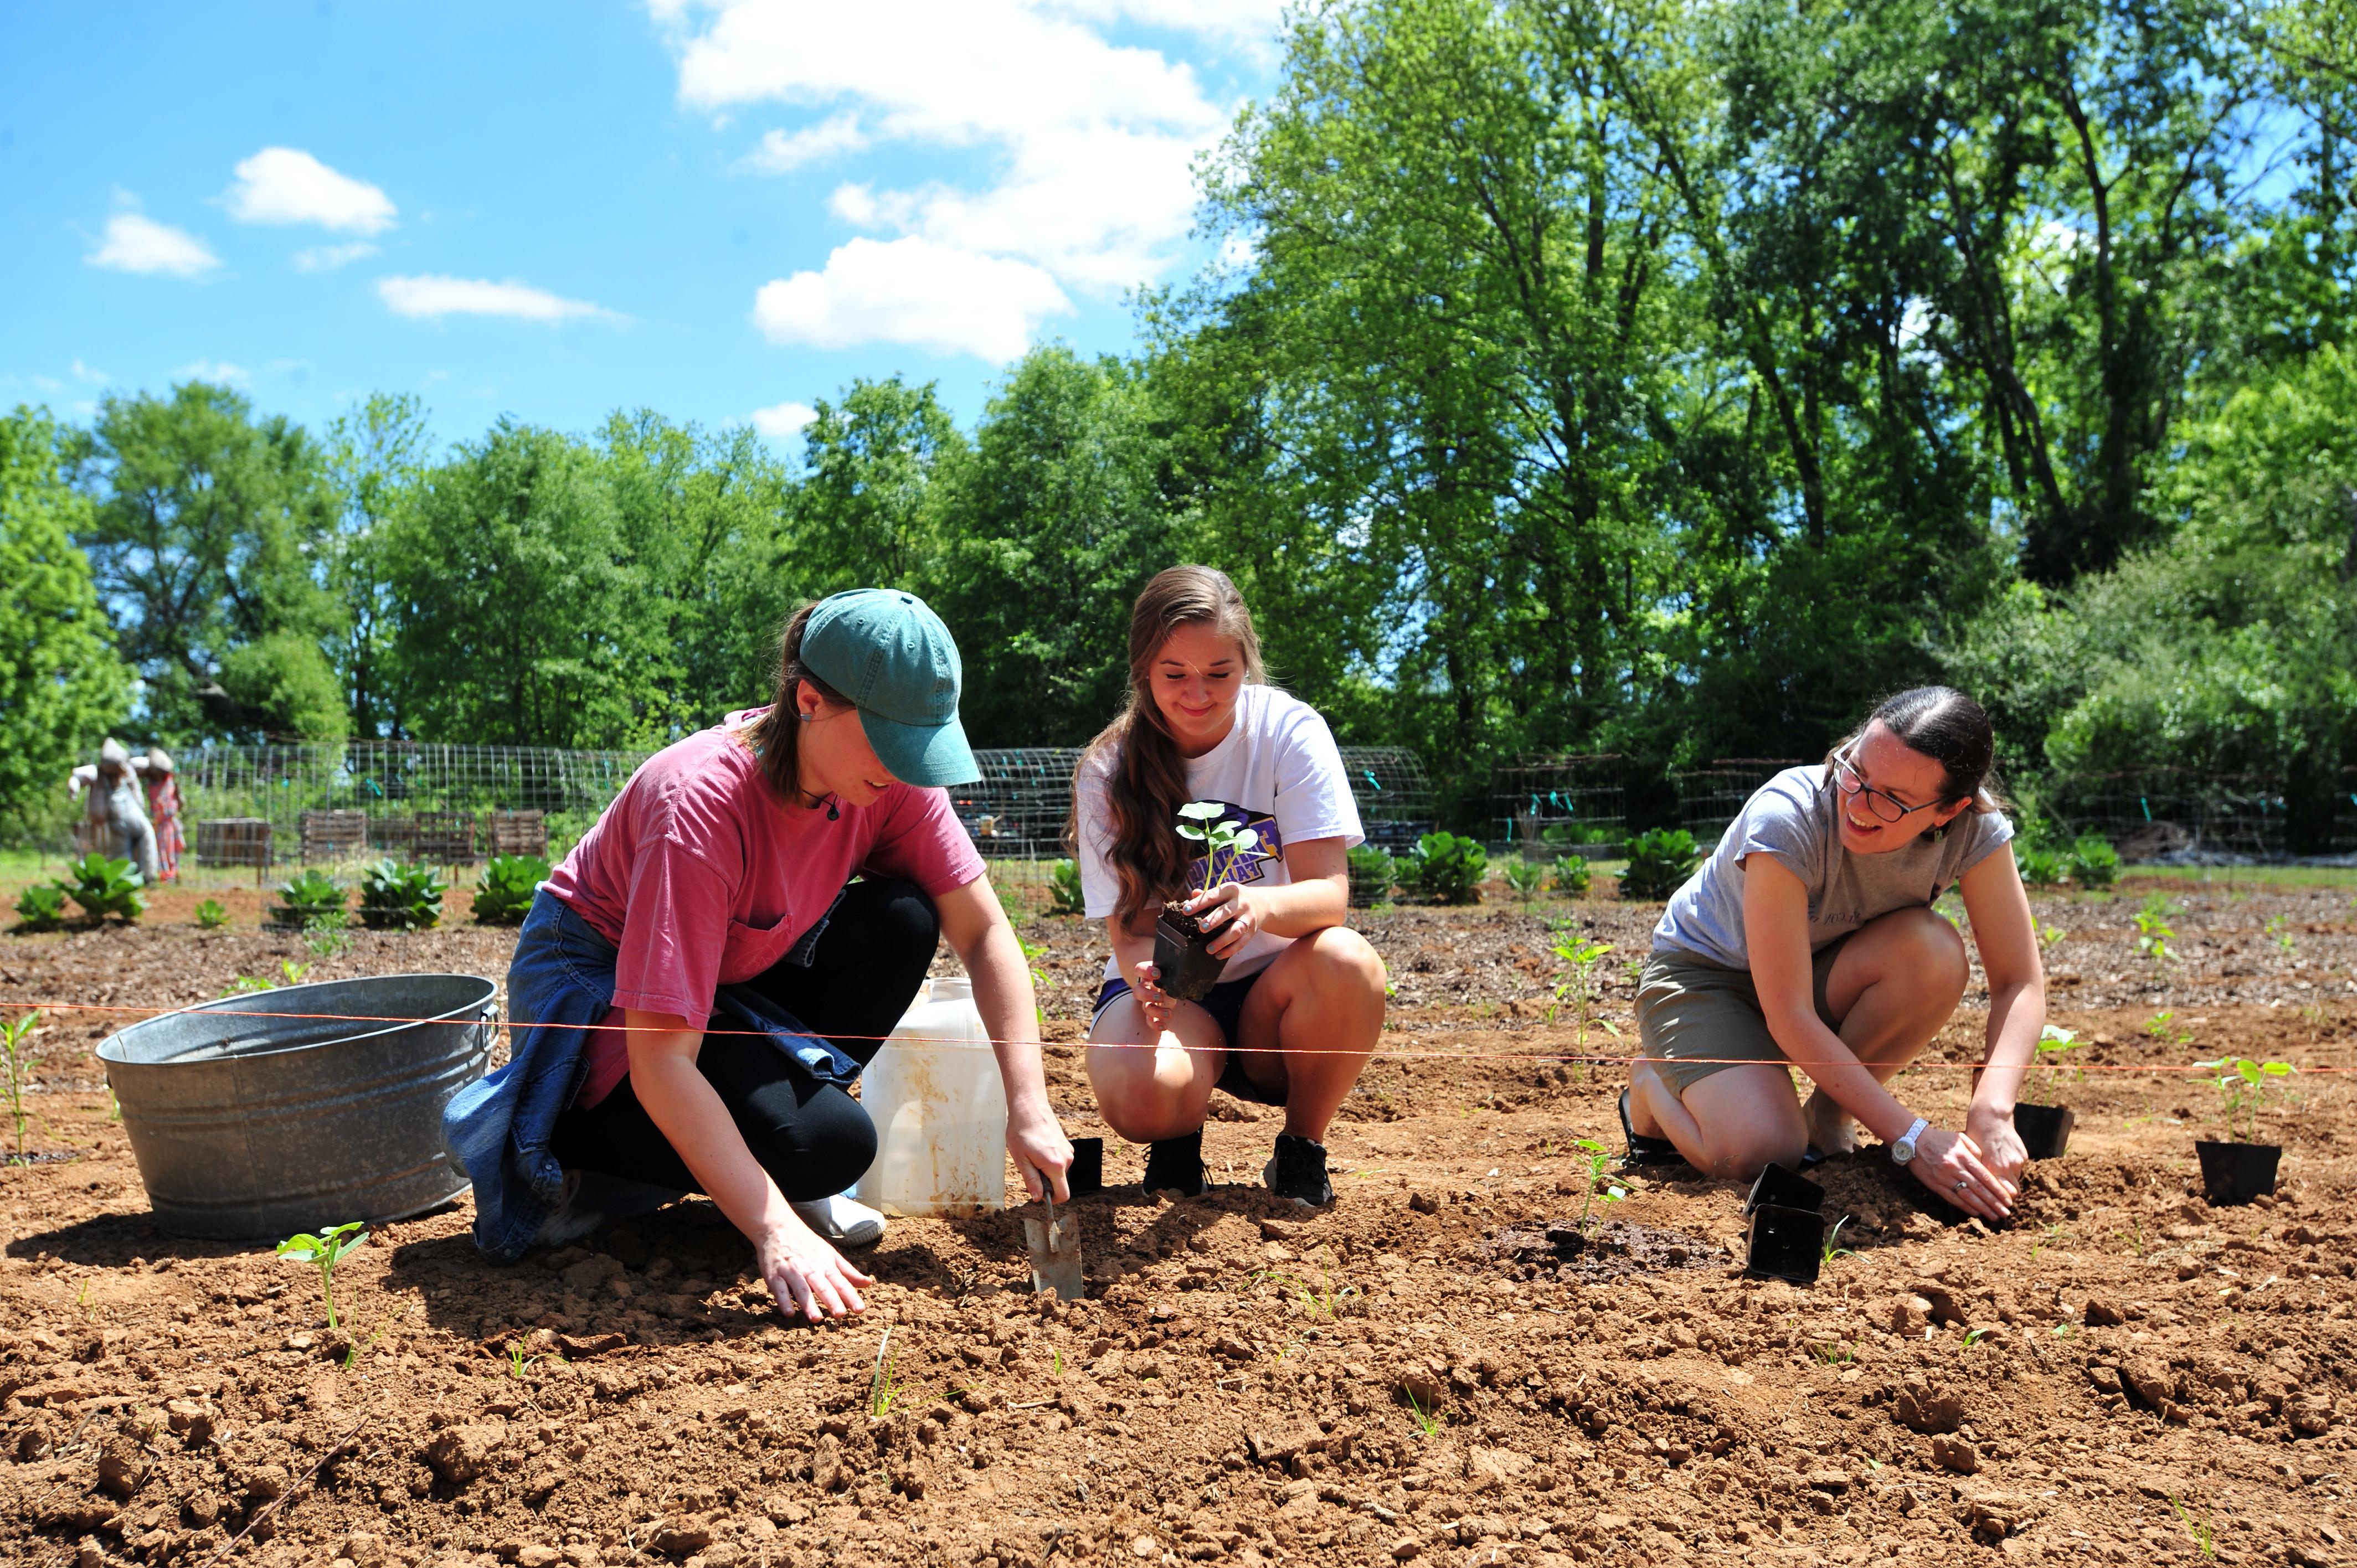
(812, 1138)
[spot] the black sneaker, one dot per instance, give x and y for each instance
(1176, 1165)
(1297, 1171)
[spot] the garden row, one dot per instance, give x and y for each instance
(400, 895)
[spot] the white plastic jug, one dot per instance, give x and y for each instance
(940, 1110)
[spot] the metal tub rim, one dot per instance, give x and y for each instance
(482, 1009)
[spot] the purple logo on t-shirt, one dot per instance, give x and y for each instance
(1271, 845)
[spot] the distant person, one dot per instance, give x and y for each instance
(1297, 1009)
(114, 820)
(163, 782)
(715, 892)
(1808, 939)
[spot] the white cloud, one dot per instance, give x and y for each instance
(911, 291)
(133, 243)
(220, 372)
(1089, 142)
(286, 185)
(782, 420)
(95, 377)
(328, 258)
(432, 297)
(780, 152)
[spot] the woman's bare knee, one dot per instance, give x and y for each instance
(1743, 1157)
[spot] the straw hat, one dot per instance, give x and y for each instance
(157, 761)
(111, 755)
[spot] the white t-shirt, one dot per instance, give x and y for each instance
(1278, 772)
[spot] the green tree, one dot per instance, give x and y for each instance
(1057, 520)
(205, 537)
(375, 455)
(62, 685)
(867, 512)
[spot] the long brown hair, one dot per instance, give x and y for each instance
(1148, 777)
(776, 735)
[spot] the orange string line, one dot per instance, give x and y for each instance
(1542, 1056)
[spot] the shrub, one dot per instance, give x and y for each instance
(211, 915)
(104, 886)
(1659, 861)
(1064, 894)
(503, 894)
(2091, 862)
(400, 898)
(1372, 872)
(306, 896)
(1449, 869)
(2039, 867)
(41, 907)
(1571, 874)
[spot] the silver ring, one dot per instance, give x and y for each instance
(1963, 1184)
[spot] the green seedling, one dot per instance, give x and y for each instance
(41, 907)
(2153, 932)
(1426, 1424)
(2279, 932)
(1834, 1355)
(1064, 894)
(1032, 953)
(2160, 1027)
(1060, 1363)
(323, 1253)
(352, 1352)
(1321, 1298)
(2050, 935)
(13, 1036)
(1524, 877)
(1973, 1337)
(2054, 1041)
(1225, 844)
(326, 935)
(211, 915)
(883, 1388)
(289, 973)
(1597, 1161)
(2240, 1082)
(2053, 1232)
(1579, 957)
(2204, 1538)
(518, 1363)
(1571, 874)
(1833, 1237)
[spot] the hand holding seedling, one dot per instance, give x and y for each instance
(1205, 823)
(1232, 911)
(324, 1252)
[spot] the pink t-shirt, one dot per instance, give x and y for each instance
(701, 876)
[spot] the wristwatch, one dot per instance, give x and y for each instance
(1904, 1149)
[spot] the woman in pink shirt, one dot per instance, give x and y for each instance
(711, 914)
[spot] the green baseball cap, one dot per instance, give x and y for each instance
(889, 653)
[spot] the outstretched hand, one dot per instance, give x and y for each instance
(807, 1276)
(1953, 1167)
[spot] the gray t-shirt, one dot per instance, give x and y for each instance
(1791, 818)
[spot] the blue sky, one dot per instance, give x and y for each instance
(719, 210)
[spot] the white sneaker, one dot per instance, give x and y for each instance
(840, 1219)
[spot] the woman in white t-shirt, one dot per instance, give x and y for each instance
(1300, 1004)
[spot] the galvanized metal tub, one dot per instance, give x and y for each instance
(249, 1125)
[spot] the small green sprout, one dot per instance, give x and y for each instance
(1225, 844)
(211, 915)
(13, 1036)
(2050, 935)
(1973, 1337)
(324, 1252)
(518, 1363)
(2204, 1536)
(1598, 1159)
(1580, 956)
(1032, 953)
(1524, 877)
(1834, 1237)
(2279, 930)
(2055, 1041)
(1837, 1354)
(2161, 1026)
(1428, 1425)
(883, 1388)
(2153, 933)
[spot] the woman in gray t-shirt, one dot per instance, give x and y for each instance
(1808, 939)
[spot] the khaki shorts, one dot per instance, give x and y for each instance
(1696, 1017)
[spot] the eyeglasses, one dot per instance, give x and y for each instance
(1890, 808)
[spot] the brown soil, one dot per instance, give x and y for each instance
(1432, 1372)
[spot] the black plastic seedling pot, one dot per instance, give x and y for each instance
(1785, 1190)
(1087, 1173)
(2237, 1173)
(1785, 1244)
(2045, 1129)
(1182, 956)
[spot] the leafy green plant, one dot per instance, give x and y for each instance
(1562, 834)
(13, 1036)
(2240, 1084)
(400, 898)
(1065, 896)
(1225, 844)
(104, 886)
(2090, 861)
(2279, 932)
(2161, 1026)
(327, 935)
(1596, 1160)
(41, 907)
(211, 915)
(1571, 874)
(323, 1253)
(1032, 953)
(504, 892)
(2153, 932)
(1524, 877)
(2039, 867)
(306, 896)
(2050, 937)
(289, 973)
(2056, 1042)
(1659, 861)
(1371, 873)
(1449, 869)
(1579, 956)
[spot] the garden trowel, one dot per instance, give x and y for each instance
(1054, 1244)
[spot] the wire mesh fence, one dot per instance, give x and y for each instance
(2181, 814)
(1710, 798)
(1583, 797)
